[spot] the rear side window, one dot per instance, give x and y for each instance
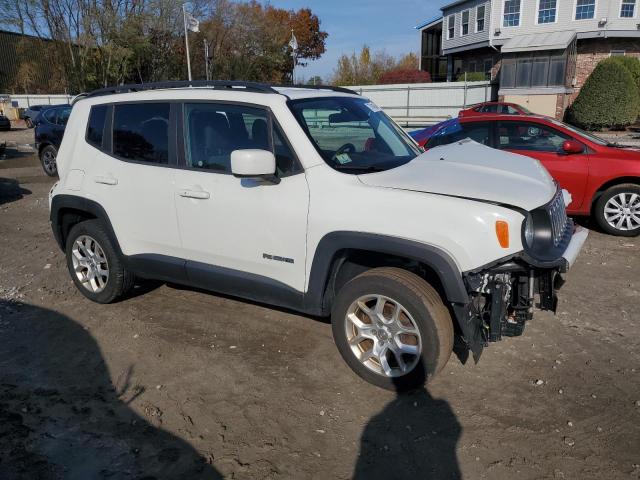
(95, 128)
(141, 132)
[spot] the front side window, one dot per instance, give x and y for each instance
(585, 9)
(141, 132)
(529, 136)
(628, 8)
(547, 11)
(451, 26)
(354, 135)
(95, 126)
(511, 13)
(480, 13)
(213, 131)
(465, 23)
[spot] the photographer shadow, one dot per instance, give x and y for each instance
(61, 416)
(413, 437)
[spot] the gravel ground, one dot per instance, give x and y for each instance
(176, 383)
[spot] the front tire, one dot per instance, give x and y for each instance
(617, 211)
(48, 157)
(392, 328)
(28, 122)
(94, 264)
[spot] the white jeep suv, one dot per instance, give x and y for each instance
(311, 199)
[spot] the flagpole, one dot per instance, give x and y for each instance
(186, 40)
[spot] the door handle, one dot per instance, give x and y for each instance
(106, 180)
(198, 194)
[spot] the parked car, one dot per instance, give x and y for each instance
(49, 130)
(31, 113)
(5, 123)
(603, 178)
(241, 188)
(485, 108)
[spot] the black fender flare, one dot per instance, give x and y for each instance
(80, 204)
(437, 259)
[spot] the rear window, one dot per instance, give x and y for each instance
(141, 132)
(95, 128)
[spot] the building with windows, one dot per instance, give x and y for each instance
(540, 51)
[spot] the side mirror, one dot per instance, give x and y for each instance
(258, 164)
(571, 147)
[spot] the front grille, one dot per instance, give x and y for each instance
(558, 218)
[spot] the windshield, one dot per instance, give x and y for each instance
(589, 136)
(353, 134)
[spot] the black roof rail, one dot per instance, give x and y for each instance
(322, 87)
(215, 84)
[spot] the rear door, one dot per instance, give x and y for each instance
(544, 143)
(132, 146)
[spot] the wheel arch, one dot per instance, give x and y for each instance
(341, 256)
(69, 210)
(612, 183)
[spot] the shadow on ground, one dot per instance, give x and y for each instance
(61, 416)
(413, 437)
(10, 190)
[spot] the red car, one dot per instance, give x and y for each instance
(488, 108)
(602, 178)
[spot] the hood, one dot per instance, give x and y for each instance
(469, 169)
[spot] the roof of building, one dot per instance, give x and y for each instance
(453, 4)
(539, 41)
(429, 23)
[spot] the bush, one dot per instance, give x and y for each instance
(609, 98)
(472, 77)
(404, 75)
(630, 63)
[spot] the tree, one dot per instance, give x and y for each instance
(608, 99)
(315, 80)
(404, 75)
(362, 69)
(104, 42)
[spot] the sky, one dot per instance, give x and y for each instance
(381, 24)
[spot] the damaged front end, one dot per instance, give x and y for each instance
(504, 294)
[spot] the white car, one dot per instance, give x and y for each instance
(311, 199)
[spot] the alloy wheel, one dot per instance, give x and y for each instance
(49, 162)
(383, 335)
(90, 264)
(622, 211)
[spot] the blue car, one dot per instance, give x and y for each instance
(424, 135)
(49, 129)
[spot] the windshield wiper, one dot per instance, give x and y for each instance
(368, 169)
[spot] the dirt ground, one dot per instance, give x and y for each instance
(175, 383)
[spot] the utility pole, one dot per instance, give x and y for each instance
(186, 40)
(206, 58)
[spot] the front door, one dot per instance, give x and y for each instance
(241, 236)
(544, 143)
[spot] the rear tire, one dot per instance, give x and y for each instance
(617, 211)
(94, 264)
(48, 157)
(392, 328)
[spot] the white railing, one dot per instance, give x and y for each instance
(421, 104)
(26, 100)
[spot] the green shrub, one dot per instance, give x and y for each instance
(630, 63)
(609, 98)
(472, 77)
